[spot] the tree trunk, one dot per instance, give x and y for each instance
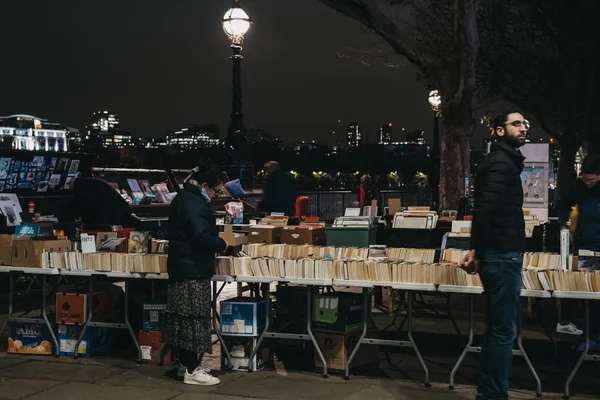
(454, 161)
(565, 171)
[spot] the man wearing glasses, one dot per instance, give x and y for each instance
(498, 243)
(585, 194)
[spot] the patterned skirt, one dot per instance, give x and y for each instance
(188, 316)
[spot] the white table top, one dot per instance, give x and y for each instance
(255, 279)
(460, 289)
(29, 270)
(423, 287)
(536, 293)
(576, 295)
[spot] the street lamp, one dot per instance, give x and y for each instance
(236, 23)
(435, 101)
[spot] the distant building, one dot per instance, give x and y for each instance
(105, 122)
(153, 143)
(260, 137)
(417, 137)
(354, 135)
(194, 137)
(385, 134)
(26, 132)
(104, 131)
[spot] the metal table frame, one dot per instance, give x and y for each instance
(216, 291)
(125, 276)
(308, 336)
(585, 356)
(469, 348)
(12, 271)
(367, 285)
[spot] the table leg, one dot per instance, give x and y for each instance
(309, 329)
(45, 316)
(129, 328)
(586, 348)
(11, 278)
(524, 354)
(224, 348)
(467, 347)
(89, 318)
(414, 345)
(261, 337)
(364, 332)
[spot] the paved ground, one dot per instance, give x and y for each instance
(397, 375)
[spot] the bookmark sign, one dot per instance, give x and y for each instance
(88, 243)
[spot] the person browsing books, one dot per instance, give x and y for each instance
(498, 243)
(193, 242)
(585, 195)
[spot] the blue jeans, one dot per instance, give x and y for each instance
(501, 276)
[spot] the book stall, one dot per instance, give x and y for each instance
(305, 262)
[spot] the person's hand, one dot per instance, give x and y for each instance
(470, 263)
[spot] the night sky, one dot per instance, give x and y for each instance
(164, 64)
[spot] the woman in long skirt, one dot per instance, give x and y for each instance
(193, 242)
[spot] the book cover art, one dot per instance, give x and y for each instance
(138, 242)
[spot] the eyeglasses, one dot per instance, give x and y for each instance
(518, 124)
(219, 192)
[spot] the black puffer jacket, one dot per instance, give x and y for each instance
(193, 236)
(498, 222)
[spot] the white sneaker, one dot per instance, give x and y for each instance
(182, 369)
(568, 329)
(200, 377)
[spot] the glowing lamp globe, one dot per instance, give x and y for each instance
(435, 100)
(236, 22)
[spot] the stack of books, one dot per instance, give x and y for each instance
(453, 256)
(106, 262)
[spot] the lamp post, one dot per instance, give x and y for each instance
(435, 100)
(236, 23)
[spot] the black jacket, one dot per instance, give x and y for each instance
(587, 200)
(279, 194)
(98, 203)
(193, 236)
(498, 222)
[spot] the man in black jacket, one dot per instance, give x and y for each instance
(498, 242)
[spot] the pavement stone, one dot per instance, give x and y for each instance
(281, 387)
(163, 377)
(398, 393)
(212, 396)
(71, 372)
(19, 388)
(89, 391)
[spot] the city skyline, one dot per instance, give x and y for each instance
(159, 67)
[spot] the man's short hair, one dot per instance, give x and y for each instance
(501, 118)
(591, 165)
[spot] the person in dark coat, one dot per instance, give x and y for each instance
(498, 243)
(423, 193)
(585, 194)
(193, 242)
(98, 203)
(368, 192)
(280, 191)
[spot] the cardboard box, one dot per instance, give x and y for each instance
(303, 235)
(28, 252)
(6, 249)
(338, 312)
(71, 308)
(233, 238)
(154, 351)
(243, 316)
(264, 234)
(274, 221)
(93, 342)
(240, 349)
(153, 314)
(29, 339)
(337, 347)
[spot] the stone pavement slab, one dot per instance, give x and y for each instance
(89, 391)
(398, 393)
(164, 377)
(19, 388)
(72, 372)
(212, 396)
(281, 387)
